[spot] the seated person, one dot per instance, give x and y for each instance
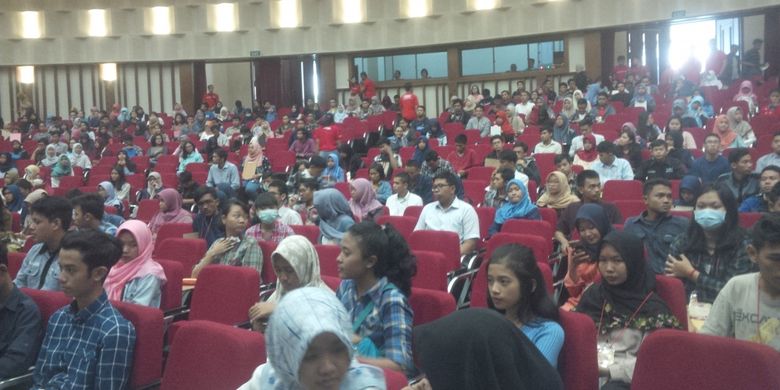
(593, 225)
(288, 216)
(236, 248)
(88, 213)
(253, 182)
(270, 227)
(334, 215)
(624, 306)
(496, 141)
(602, 109)
(419, 184)
(377, 274)
(507, 357)
(333, 173)
(51, 218)
(303, 146)
(207, 222)
(526, 164)
(387, 159)
(223, 174)
(714, 247)
(308, 347)
(660, 165)
(171, 211)
(518, 206)
(21, 333)
(772, 158)
(303, 203)
(547, 144)
(379, 185)
(712, 164)
(577, 142)
(516, 289)
(690, 189)
(462, 158)
(121, 186)
(757, 203)
(402, 197)
(741, 180)
(588, 155)
(479, 122)
(154, 185)
(752, 296)
(558, 194)
(610, 167)
(451, 214)
(495, 194)
(136, 277)
(189, 154)
(88, 344)
(363, 201)
(507, 159)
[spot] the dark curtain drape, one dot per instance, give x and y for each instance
(278, 80)
(199, 83)
(772, 42)
(607, 53)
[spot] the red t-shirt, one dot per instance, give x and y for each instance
(409, 105)
(210, 99)
(620, 72)
(369, 89)
(716, 62)
(327, 137)
(461, 163)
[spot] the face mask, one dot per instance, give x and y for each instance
(268, 216)
(709, 219)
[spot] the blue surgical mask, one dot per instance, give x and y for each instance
(709, 219)
(268, 216)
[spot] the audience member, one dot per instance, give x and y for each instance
(525, 163)
(171, 211)
(610, 167)
(770, 176)
(303, 203)
(154, 185)
(13, 198)
(121, 186)
(741, 126)
(462, 158)
(690, 189)
(479, 122)
(363, 202)
(270, 227)
(627, 148)
(88, 212)
(742, 182)
(660, 165)
(588, 155)
(772, 158)
(262, 167)
(450, 214)
(304, 147)
(402, 197)
(223, 174)
(561, 132)
(59, 170)
(558, 194)
(334, 215)
(712, 164)
(517, 206)
(547, 144)
(435, 165)
(207, 222)
(577, 143)
(136, 277)
(674, 142)
(51, 218)
(387, 160)
(495, 194)
(380, 186)
(189, 154)
(729, 139)
(593, 225)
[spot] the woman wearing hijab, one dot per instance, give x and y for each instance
(18, 152)
(593, 225)
(478, 349)
(558, 193)
(728, 137)
(170, 211)
(306, 322)
(562, 133)
(697, 112)
(340, 114)
(32, 174)
(741, 126)
(624, 306)
(333, 173)
(78, 158)
(642, 98)
(569, 109)
(674, 142)
(335, 215)
(517, 206)
(586, 156)
(256, 158)
(107, 191)
(12, 196)
(6, 163)
(746, 94)
(60, 169)
(154, 185)
(647, 130)
(50, 158)
(136, 277)
(297, 265)
(363, 203)
(690, 189)
(421, 150)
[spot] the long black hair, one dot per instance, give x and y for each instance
(729, 234)
(394, 259)
(534, 300)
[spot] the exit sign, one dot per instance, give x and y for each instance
(254, 53)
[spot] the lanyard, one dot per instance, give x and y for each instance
(603, 305)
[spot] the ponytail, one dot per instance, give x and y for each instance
(394, 259)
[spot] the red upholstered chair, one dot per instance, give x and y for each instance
(430, 305)
(537, 244)
(147, 356)
(630, 208)
(332, 282)
(446, 243)
(672, 291)
(475, 191)
(486, 217)
(720, 363)
(395, 380)
(15, 260)
(481, 174)
(207, 355)
(171, 294)
(69, 182)
(311, 232)
(269, 275)
(747, 220)
(404, 225)
(171, 230)
(328, 255)
(432, 268)
(187, 251)
(549, 215)
(578, 361)
(343, 187)
(542, 229)
(622, 189)
(147, 208)
(47, 301)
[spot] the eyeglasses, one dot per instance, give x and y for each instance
(438, 187)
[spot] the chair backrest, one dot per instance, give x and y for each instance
(630, 208)
(172, 230)
(311, 232)
(622, 189)
(747, 220)
(475, 191)
(224, 294)
(487, 216)
(395, 380)
(268, 248)
(47, 301)
(482, 174)
(15, 260)
(207, 355)
(332, 281)
(549, 215)
(147, 355)
(147, 208)
(430, 305)
(432, 268)
(721, 363)
(404, 225)
(672, 291)
(537, 244)
(187, 251)
(328, 263)
(542, 229)
(578, 360)
(446, 243)
(413, 211)
(171, 293)
(343, 187)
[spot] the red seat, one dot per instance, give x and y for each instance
(147, 208)
(16, 222)
(404, 225)
(95, 179)
(720, 363)
(328, 255)
(395, 380)
(747, 220)
(282, 161)
(578, 361)
(432, 268)
(630, 208)
(672, 291)
(136, 181)
(413, 211)
(534, 227)
(147, 355)
(197, 167)
(224, 294)
(171, 294)
(549, 215)
(486, 216)
(482, 174)
(474, 191)
(446, 243)
(268, 275)
(187, 251)
(71, 182)
(171, 230)
(331, 281)
(343, 187)
(15, 260)
(47, 301)
(207, 355)
(430, 305)
(546, 164)
(622, 189)
(311, 232)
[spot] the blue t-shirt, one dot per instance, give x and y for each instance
(547, 336)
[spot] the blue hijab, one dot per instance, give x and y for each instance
(419, 155)
(18, 201)
(335, 173)
(111, 199)
(595, 214)
(521, 209)
(335, 216)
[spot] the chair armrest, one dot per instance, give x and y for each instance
(19, 382)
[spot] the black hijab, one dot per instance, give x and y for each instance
(595, 214)
(625, 298)
(478, 349)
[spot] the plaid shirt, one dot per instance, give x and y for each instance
(280, 232)
(246, 254)
(90, 348)
(389, 325)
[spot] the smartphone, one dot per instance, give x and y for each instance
(576, 245)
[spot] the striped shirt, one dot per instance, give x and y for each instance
(90, 348)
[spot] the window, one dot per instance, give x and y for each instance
(285, 13)
(224, 16)
(31, 24)
(161, 20)
(98, 23)
(510, 58)
(403, 66)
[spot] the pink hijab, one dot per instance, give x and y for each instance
(364, 200)
(255, 152)
(174, 213)
(123, 272)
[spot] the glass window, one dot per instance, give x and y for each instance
(509, 58)
(506, 56)
(406, 66)
(477, 61)
(383, 68)
(434, 63)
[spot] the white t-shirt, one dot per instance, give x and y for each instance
(397, 205)
(524, 109)
(553, 147)
(460, 218)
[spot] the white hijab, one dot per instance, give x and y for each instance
(300, 253)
